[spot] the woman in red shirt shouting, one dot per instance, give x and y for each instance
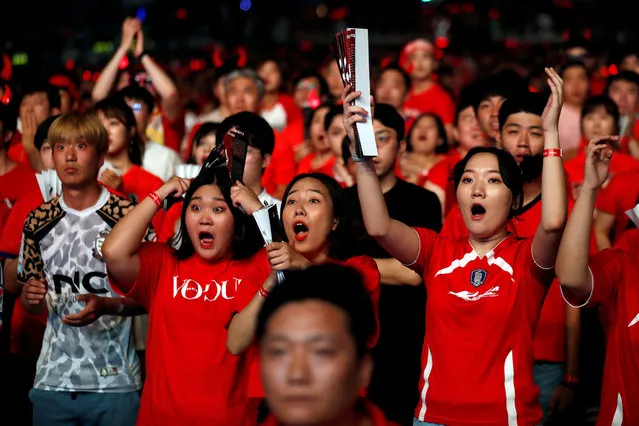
(191, 294)
(484, 293)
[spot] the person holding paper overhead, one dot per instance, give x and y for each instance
(607, 280)
(190, 293)
(484, 293)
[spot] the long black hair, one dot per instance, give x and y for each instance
(508, 169)
(247, 239)
(342, 240)
(115, 107)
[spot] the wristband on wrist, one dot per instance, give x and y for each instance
(553, 152)
(263, 292)
(570, 379)
(156, 199)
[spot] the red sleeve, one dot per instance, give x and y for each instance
(446, 107)
(154, 257)
(17, 152)
(371, 277)
(606, 198)
(439, 174)
(173, 131)
(427, 240)
(12, 229)
(256, 268)
(607, 268)
(281, 169)
(628, 241)
(169, 223)
(304, 165)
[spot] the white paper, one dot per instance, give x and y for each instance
(633, 214)
(263, 221)
(187, 171)
(363, 84)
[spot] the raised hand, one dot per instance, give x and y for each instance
(550, 116)
(174, 187)
(36, 290)
(96, 306)
(111, 179)
(139, 43)
(244, 197)
(352, 113)
(598, 155)
(130, 27)
(283, 256)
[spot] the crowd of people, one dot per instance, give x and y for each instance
(449, 280)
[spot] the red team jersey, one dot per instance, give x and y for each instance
(621, 194)
(191, 377)
(434, 100)
(615, 275)
(481, 315)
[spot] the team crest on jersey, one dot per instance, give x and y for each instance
(478, 277)
(97, 244)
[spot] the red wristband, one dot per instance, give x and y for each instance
(555, 152)
(156, 199)
(263, 292)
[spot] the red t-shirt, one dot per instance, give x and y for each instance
(174, 131)
(615, 275)
(191, 377)
(628, 241)
(17, 152)
(550, 336)
(365, 266)
(481, 314)
(170, 223)
(281, 169)
(306, 165)
(435, 100)
(440, 175)
(27, 330)
(374, 415)
(621, 194)
(18, 182)
(619, 163)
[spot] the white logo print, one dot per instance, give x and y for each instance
(192, 290)
(473, 297)
(634, 321)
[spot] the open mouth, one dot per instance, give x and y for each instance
(477, 212)
(206, 239)
(301, 231)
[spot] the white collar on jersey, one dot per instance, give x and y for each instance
(104, 197)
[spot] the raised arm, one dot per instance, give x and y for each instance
(572, 258)
(554, 205)
(398, 239)
(120, 249)
(108, 75)
(161, 81)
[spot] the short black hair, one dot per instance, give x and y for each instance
(394, 66)
(506, 83)
(532, 103)
(466, 99)
(508, 169)
(573, 63)
(342, 240)
(53, 93)
(389, 117)
(623, 75)
(247, 239)
(43, 131)
(116, 107)
(333, 112)
(263, 135)
(442, 148)
(337, 285)
(601, 101)
(138, 93)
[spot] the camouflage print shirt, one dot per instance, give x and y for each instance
(63, 245)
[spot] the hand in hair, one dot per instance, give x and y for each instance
(598, 156)
(111, 179)
(244, 198)
(283, 256)
(550, 116)
(174, 187)
(130, 27)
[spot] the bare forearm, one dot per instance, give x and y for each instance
(108, 75)
(126, 236)
(371, 198)
(124, 307)
(394, 273)
(572, 259)
(164, 85)
(242, 327)
(10, 270)
(554, 207)
(573, 337)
